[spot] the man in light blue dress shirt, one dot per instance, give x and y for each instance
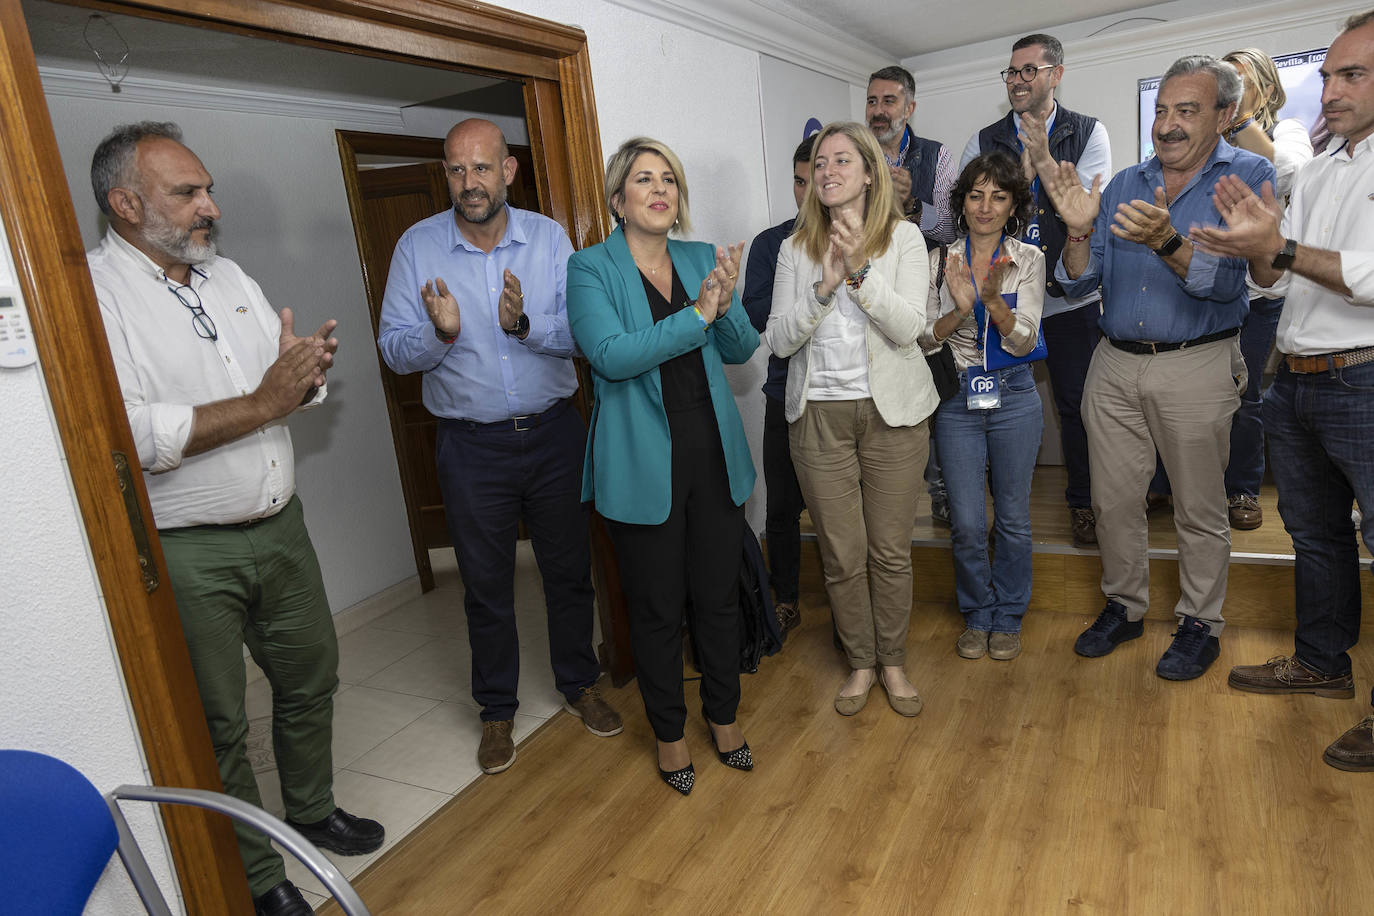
(1168, 375)
(475, 300)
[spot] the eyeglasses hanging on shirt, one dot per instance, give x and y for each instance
(202, 322)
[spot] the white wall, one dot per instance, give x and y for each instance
(61, 690)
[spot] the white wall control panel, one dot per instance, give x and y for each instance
(17, 348)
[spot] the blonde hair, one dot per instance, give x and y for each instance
(618, 172)
(1256, 65)
(881, 209)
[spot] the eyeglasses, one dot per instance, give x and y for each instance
(1027, 73)
(203, 323)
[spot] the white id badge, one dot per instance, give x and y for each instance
(983, 391)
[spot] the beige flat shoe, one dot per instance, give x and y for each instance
(903, 706)
(848, 706)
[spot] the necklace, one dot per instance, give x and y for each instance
(652, 270)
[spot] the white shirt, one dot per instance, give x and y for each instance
(166, 370)
(839, 352)
(1332, 207)
(1095, 160)
(1292, 150)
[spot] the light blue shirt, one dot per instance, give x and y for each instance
(1142, 298)
(486, 374)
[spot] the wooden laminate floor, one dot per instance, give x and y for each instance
(1047, 784)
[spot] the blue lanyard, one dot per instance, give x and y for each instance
(901, 151)
(979, 312)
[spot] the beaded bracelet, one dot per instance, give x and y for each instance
(856, 279)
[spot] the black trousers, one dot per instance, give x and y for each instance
(695, 552)
(785, 505)
(492, 477)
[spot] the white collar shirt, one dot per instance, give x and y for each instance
(1332, 207)
(166, 369)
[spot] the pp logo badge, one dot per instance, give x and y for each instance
(982, 384)
(983, 392)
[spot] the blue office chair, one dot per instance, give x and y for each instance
(57, 832)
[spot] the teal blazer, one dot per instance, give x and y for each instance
(628, 467)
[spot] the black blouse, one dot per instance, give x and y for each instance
(683, 377)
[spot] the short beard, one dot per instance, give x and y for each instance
(892, 133)
(176, 243)
(495, 206)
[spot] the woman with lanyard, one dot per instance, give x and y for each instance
(848, 307)
(989, 312)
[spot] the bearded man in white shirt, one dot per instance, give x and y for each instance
(209, 372)
(1320, 409)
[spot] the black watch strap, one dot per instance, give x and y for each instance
(522, 326)
(1284, 259)
(1174, 244)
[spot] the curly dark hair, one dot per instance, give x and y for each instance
(1005, 172)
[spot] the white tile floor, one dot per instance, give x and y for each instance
(406, 728)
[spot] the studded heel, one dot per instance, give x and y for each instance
(741, 758)
(682, 779)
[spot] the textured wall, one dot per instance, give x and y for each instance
(61, 692)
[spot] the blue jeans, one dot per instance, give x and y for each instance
(1318, 428)
(997, 446)
(1245, 469)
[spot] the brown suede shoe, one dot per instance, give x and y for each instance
(1084, 525)
(1285, 674)
(1353, 751)
(1244, 512)
(601, 720)
(497, 751)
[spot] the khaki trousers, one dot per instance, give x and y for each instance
(861, 479)
(1179, 403)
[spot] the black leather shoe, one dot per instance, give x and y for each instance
(343, 833)
(282, 900)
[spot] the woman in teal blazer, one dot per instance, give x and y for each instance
(667, 462)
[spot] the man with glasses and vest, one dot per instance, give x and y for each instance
(209, 373)
(1042, 133)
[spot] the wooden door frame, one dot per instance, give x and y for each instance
(552, 63)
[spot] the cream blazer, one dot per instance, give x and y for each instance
(893, 296)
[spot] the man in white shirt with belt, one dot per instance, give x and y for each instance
(209, 372)
(1319, 412)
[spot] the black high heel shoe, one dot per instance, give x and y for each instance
(741, 758)
(682, 779)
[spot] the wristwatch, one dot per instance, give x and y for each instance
(1284, 259)
(522, 326)
(1174, 244)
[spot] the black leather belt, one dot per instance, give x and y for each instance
(517, 424)
(1146, 347)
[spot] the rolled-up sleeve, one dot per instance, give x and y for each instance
(161, 430)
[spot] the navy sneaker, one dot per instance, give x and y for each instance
(1109, 630)
(1193, 650)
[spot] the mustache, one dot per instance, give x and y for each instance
(204, 222)
(475, 194)
(1174, 134)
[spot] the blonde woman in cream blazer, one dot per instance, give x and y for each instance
(849, 303)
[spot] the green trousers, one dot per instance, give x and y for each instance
(260, 585)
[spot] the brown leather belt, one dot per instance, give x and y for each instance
(1328, 362)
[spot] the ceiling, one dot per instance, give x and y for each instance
(904, 29)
